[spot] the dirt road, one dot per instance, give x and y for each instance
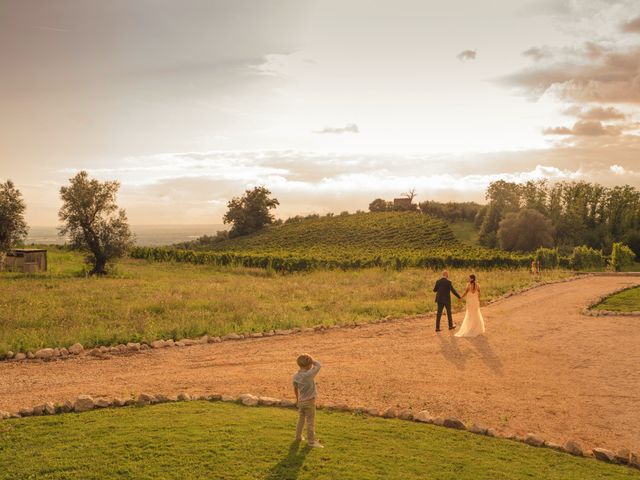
(542, 367)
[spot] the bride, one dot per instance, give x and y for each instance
(473, 324)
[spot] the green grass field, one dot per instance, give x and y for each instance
(147, 301)
(465, 232)
(626, 301)
(198, 440)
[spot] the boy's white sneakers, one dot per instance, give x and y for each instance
(316, 444)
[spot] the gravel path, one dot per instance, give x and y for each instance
(542, 367)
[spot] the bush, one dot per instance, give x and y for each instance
(586, 258)
(547, 257)
(621, 256)
(525, 231)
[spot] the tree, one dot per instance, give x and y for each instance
(13, 227)
(379, 205)
(250, 212)
(525, 231)
(93, 221)
(411, 194)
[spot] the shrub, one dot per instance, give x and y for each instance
(621, 256)
(586, 258)
(548, 257)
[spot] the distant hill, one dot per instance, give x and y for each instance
(360, 231)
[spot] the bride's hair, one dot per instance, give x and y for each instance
(472, 281)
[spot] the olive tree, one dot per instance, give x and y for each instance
(13, 227)
(93, 222)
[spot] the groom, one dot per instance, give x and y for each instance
(443, 290)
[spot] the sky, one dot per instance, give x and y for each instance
(328, 103)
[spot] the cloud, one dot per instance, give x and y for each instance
(585, 128)
(538, 53)
(617, 169)
(465, 55)
(348, 128)
(598, 74)
(595, 113)
(632, 26)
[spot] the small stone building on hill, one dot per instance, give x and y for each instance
(26, 260)
(402, 203)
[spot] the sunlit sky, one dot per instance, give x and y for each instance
(330, 104)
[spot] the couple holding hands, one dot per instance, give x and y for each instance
(473, 323)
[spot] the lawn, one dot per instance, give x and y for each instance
(198, 440)
(145, 301)
(626, 301)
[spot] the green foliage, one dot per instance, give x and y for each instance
(380, 205)
(215, 440)
(547, 257)
(92, 220)
(251, 212)
(587, 258)
(525, 231)
(621, 256)
(451, 211)
(13, 227)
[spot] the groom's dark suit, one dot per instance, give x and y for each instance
(443, 290)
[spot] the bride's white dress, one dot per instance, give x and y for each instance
(473, 323)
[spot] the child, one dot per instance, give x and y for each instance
(304, 387)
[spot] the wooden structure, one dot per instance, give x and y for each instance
(402, 203)
(25, 260)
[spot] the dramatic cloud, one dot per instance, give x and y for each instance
(349, 128)
(467, 55)
(602, 75)
(595, 113)
(632, 26)
(585, 128)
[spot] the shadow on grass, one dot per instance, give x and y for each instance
(289, 467)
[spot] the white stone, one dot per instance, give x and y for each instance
(268, 401)
(76, 349)
(248, 399)
(45, 353)
(83, 403)
(20, 356)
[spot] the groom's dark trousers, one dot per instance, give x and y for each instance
(442, 306)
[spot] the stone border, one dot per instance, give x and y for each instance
(604, 313)
(49, 354)
(84, 403)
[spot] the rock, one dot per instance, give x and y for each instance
(64, 352)
(121, 348)
(533, 440)
(215, 339)
(423, 416)
(248, 399)
(103, 403)
(158, 344)
(189, 341)
(390, 413)
(160, 398)
(256, 335)
(604, 455)
(216, 397)
(56, 352)
(180, 344)
(25, 412)
(114, 350)
(307, 330)
(30, 355)
(133, 347)
(203, 339)
(38, 410)
(20, 356)
(454, 423)
(622, 456)
(341, 407)
(287, 403)
(491, 432)
(268, 401)
(270, 333)
(479, 429)
(130, 401)
(76, 349)
(634, 460)
(45, 353)
(145, 399)
(83, 403)
(119, 402)
(232, 336)
(284, 332)
(4, 415)
(553, 446)
(103, 349)
(405, 415)
(144, 346)
(373, 412)
(169, 343)
(184, 397)
(201, 398)
(49, 408)
(9, 355)
(94, 352)
(227, 398)
(66, 407)
(573, 448)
